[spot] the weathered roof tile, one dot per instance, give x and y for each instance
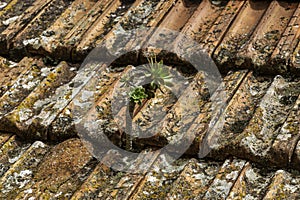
(210, 116)
(10, 71)
(252, 183)
(267, 35)
(260, 112)
(11, 151)
(269, 117)
(238, 113)
(65, 123)
(220, 26)
(52, 40)
(282, 55)
(95, 25)
(25, 17)
(13, 11)
(158, 181)
(28, 38)
(4, 137)
(202, 20)
(62, 163)
(284, 185)
(22, 115)
(239, 33)
(21, 172)
(23, 85)
(285, 143)
(225, 179)
(194, 180)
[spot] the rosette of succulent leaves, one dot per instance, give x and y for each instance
(156, 73)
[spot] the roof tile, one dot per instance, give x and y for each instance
(285, 143)
(11, 151)
(61, 164)
(23, 114)
(220, 26)
(21, 172)
(239, 33)
(267, 35)
(194, 180)
(272, 112)
(225, 179)
(238, 113)
(283, 52)
(252, 183)
(284, 185)
(23, 85)
(10, 71)
(261, 112)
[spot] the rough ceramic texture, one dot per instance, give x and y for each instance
(239, 112)
(28, 38)
(23, 85)
(215, 34)
(239, 33)
(21, 116)
(53, 38)
(282, 55)
(269, 36)
(261, 114)
(67, 170)
(9, 72)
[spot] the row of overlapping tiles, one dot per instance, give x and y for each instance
(237, 34)
(68, 171)
(37, 102)
(253, 117)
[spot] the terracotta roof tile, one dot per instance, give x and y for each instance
(287, 43)
(240, 32)
(225, 179)
(194, 180)
(220, 26)
(11, 151)
(251, 183)
(202, 20)
(267, 35)
(21, 172)
(287, 138)
(252, 142)
(284, 185)
(21, 116)
(65, 161)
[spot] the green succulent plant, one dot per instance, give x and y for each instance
(154, 71)
(137, 95)
(158, 74)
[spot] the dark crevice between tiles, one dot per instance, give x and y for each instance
(237, 178)
(290, 164)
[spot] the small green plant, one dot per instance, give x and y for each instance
(158, 74)
(155, 72)
(137, 95)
